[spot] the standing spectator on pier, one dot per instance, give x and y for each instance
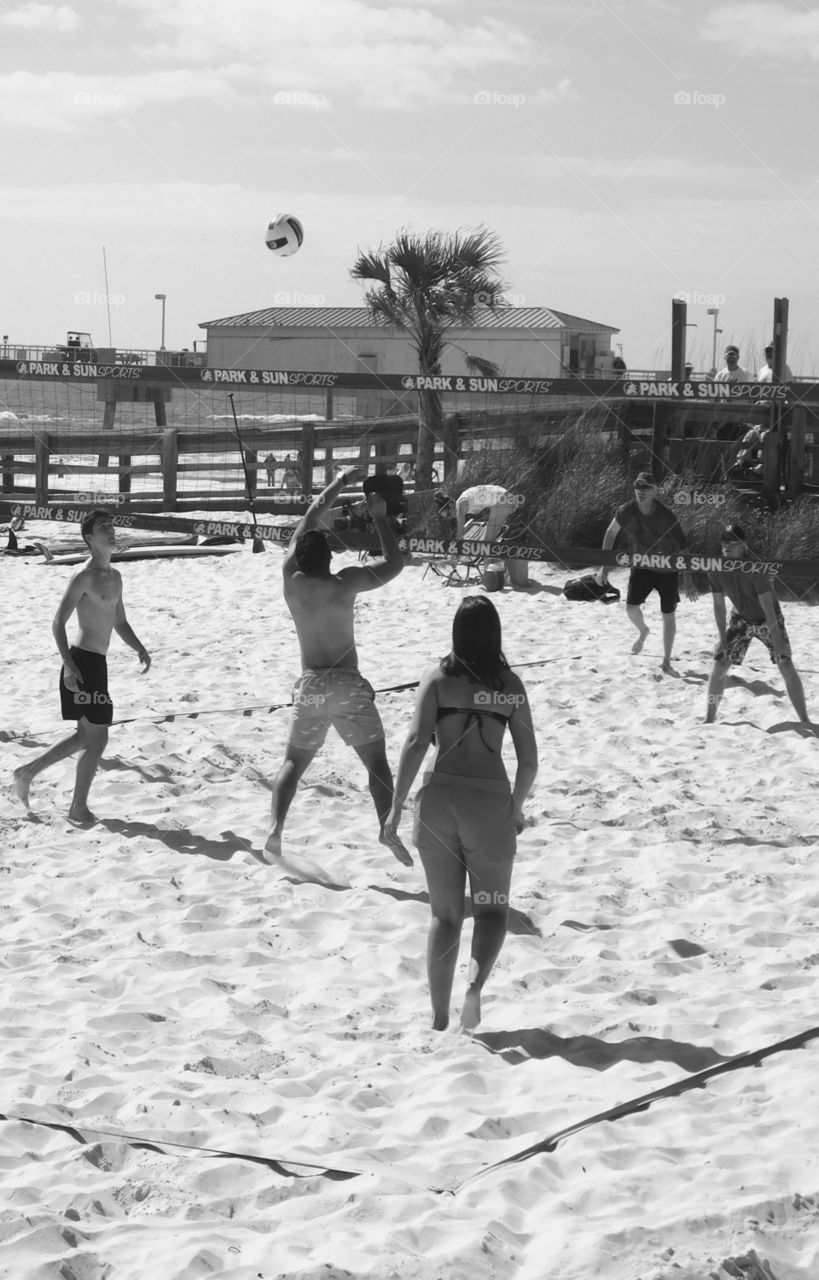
(766, 371)
(732, 370)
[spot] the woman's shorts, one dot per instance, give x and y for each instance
(471, 820)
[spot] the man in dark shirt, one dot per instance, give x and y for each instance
(756, 614)
(651, 527)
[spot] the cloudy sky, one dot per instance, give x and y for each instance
(623, 150)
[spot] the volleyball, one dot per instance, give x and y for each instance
(284, 235)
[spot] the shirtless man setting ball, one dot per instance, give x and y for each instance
(331, 689)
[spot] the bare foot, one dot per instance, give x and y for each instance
(637, 647)
(396, 848)
(471, 1012)
(81, 817)
(273, 847)
(665, 666)
(22, 784)
(440, 1022)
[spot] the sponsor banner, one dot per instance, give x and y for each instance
(320, 379)
(571, 557)
(706, 392)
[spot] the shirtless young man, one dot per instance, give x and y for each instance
(331, 690)
(756, 614)
(95, 592)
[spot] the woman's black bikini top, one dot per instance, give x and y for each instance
(469, 712)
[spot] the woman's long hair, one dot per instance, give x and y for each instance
(476, 644)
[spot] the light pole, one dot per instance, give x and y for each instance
(160, 297)
(714, 311)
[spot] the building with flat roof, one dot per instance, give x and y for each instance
(521, 341)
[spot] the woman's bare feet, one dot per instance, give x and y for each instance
(471, 1012)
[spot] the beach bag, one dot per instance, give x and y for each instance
(588, 588)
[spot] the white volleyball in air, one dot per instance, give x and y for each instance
(284, 235)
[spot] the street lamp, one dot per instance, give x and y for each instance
(160, 297)
(714, 311)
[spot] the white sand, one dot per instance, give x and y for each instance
(159, 980)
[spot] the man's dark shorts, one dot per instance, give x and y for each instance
(92, 702)
(642, 582)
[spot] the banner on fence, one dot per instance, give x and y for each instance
(697, 392)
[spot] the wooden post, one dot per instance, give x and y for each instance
(328, 464)
(308, 453)
(170, 462)
(659, 431)
(159, 410)
(679, 315)
(125, 474)
(42, 450)
(328, 412)
(7, 462)
(108, 415)
(795, 472)
(770, 463)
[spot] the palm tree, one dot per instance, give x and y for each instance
(428, 285)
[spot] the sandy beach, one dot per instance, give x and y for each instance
(162, 983)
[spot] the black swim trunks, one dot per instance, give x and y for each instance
(92, 702)
(642, 582)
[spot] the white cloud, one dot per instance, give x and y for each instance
(60, 101)
(41, 17)
(765, 32)
(384, 57)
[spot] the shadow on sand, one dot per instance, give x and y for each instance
(589, 1051)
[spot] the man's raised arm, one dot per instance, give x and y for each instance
(312, 517)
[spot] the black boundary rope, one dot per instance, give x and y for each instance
(696, 1081)
(284, 1166)
(261, 709)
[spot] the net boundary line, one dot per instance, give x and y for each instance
(283, 1165)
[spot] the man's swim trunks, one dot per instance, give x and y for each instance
(92, 702)
(740, 633)
(337, 696)
(642, 582)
